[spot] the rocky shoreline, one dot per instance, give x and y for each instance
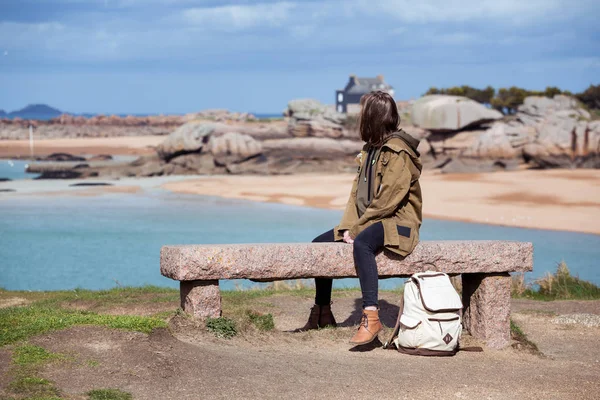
(457, 135)
(544, 133)
(69, 126)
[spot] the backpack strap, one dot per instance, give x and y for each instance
(475, 349)
(387, 344)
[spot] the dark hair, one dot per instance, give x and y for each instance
(378, 117)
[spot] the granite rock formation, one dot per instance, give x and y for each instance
(233, 148)
(188, 138)
(565, 136)
(492, 144)
(309, 117)
(544, 133)
(450, 113)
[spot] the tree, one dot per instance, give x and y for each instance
(433, 90)
(552, 91)
(507, 100)
(590, 97)
(482, 96)
(455, 91)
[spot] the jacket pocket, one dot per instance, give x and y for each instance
(403, 230)
(398, 236)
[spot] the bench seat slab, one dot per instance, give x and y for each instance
(486, 312)
(281, 261)
(202, 299)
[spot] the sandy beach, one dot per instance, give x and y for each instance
(566, 200)
(127, 145)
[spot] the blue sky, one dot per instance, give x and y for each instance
(177, 56)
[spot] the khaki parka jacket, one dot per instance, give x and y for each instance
(396, 199)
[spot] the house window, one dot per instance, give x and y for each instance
(340, 108)
(340, 97)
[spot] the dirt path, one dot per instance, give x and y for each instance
(190, 363)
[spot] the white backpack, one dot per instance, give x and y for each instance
(429, 322)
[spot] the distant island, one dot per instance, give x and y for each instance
(33, 111)
(44, 112)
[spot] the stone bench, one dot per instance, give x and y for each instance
(484, 266)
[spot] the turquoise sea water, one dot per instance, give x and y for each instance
(100, 242)
(14, 169)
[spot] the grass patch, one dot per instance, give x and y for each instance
(119, 295)
(27, 360)
(19, 323)
(32, 355)
(33, 386)
(222, 327)
(522, 341)
(165, 315)
(558, 286)
(108, 394)
(262, 322)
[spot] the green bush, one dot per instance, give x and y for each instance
(558, 286)
(263, 322)
(507, 100)
(590, 97)
(221, 327)
(483, 96)
(562, 285)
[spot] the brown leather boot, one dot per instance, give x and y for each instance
(369, 328)
(326, 318)
(313, 319)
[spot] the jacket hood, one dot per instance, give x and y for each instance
(409, 140)
(412, 145)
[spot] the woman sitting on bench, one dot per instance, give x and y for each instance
(383, 211)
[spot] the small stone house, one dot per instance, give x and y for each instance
(356, 87)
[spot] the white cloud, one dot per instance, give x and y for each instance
(426, 11)
(234, 17)
(456, 38)
(281, 31)
(19, 35)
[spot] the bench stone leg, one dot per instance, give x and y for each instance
(486, 312)
(201, 299)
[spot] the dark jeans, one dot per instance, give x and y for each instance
(366, 245)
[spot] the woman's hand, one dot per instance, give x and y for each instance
(347, 238)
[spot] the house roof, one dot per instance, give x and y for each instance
(366, 85)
